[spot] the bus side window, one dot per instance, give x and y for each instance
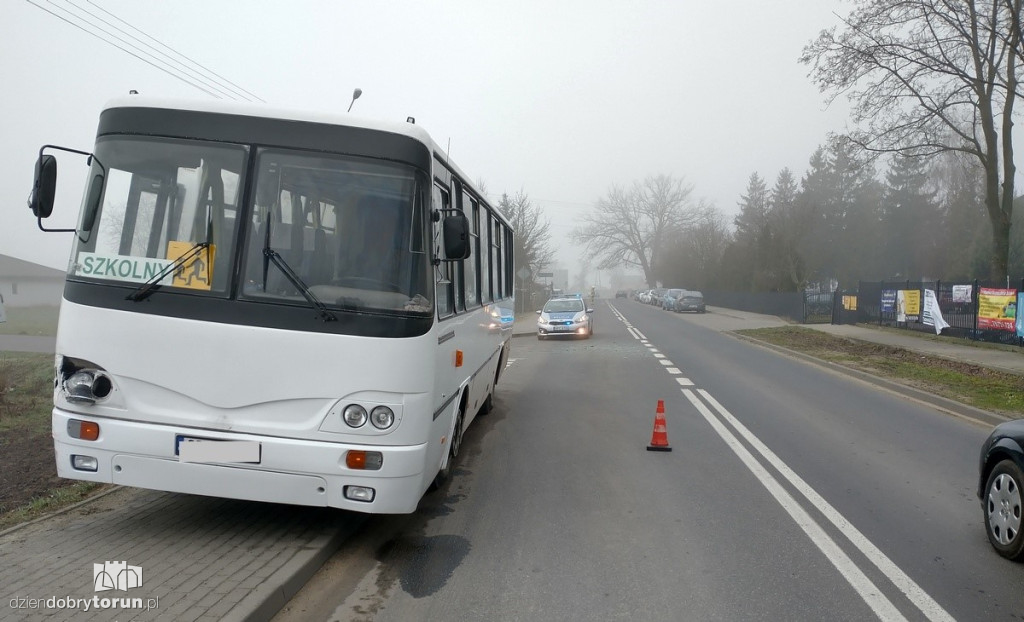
(442, 272)
(469, 265)
(483, 219)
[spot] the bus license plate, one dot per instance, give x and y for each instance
(206, 450)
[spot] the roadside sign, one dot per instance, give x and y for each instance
(545, 274)
(523, 273)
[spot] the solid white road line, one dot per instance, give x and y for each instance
(904, 583)
(874, 598)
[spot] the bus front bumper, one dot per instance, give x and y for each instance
(293, 471)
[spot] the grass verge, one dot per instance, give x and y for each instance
(30, 487)
(976, 386)
(53, 499)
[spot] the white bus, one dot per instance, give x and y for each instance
(274, 305)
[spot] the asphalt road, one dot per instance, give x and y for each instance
(791, 492)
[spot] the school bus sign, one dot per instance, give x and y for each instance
(196, 273)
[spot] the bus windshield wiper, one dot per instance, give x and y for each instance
(153, 283)
(295, 280)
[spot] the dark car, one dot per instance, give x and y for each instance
(1001, 476)
(690, 301)
(622, 294)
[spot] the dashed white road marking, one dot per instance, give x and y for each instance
(860, 582)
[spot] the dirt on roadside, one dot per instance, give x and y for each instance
(28, 468)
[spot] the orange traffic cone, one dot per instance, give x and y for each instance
(659, 440)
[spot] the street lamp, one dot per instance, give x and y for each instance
(355, 95)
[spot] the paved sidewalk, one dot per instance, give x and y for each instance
(196, 558)
(1003, 358)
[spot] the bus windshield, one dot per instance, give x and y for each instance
(350, 233)
(161, 198)
(353, 230)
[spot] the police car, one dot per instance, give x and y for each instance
(565, 315)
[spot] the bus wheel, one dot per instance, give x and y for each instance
(454, 444)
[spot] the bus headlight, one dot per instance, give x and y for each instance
(354, 415)
(382, 417)
(87, 386)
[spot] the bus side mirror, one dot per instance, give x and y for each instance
(44, 187)
(455, 229)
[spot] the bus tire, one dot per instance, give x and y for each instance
(454, 445)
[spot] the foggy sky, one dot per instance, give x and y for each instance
(561, 100)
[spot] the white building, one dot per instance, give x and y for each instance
(27, 284)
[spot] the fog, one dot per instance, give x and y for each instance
(559, 100)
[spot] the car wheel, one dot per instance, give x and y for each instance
(1003, 509)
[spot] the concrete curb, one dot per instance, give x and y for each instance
(267, 600)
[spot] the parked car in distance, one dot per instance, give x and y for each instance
(565, 315)
(622, 294)
(1000, 477)
(690, 301)
(656, 295)
(668, 301)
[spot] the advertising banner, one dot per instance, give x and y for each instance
(908, 303)
(1017, 320)
(932, 315)
(997, 309)
(888, 300)
(962, 293)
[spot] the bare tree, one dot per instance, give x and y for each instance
(932, 76)
(692, 260)
(532, 233)
(632, 227)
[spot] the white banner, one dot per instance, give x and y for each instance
(932, 315)
(962, 293)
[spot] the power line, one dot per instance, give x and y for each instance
(130, 53)
(192, 72)
(236, 88)
(77, 21)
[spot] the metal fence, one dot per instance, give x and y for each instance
(961, 314)
(789, 305)
(872, 303)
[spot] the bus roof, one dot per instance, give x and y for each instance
(219, 106)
